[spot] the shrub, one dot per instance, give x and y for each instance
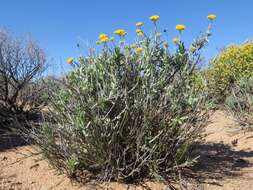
(128, 111)
(230, 65)
(240, 101)
(21, 65)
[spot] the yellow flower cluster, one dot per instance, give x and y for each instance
(139, 32)
(175, 40)
(70, 60)
(211, 17)
(180, 27)
(139, 24)
(154, 18)
(139, 50)
(120, 32)
(234, 62)
(103, 38)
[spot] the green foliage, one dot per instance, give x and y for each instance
(126, 115)
(240, 102)
(233, 63)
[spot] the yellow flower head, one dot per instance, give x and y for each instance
(175, 40)
(139, 50)
(120, 32)
(104, 39)
(139, 32)
(180, 27)
(154, 18)
(70, 60)
(139, 24)
(211, 17)
(102, 36)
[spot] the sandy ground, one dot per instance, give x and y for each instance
(225, 163)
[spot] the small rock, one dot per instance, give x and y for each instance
(234, 142)
(4, 158)
(34, 166)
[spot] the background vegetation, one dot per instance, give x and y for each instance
(233, 63)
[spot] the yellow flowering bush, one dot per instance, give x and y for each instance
(233, 63)
(128, 112)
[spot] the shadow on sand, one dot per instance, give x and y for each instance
(9, 140)
(219, 161)
(11, 129)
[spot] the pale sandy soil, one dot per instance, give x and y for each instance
(225, 163)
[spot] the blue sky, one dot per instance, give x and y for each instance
(58, 25)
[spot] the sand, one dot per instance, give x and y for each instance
(225, 163)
